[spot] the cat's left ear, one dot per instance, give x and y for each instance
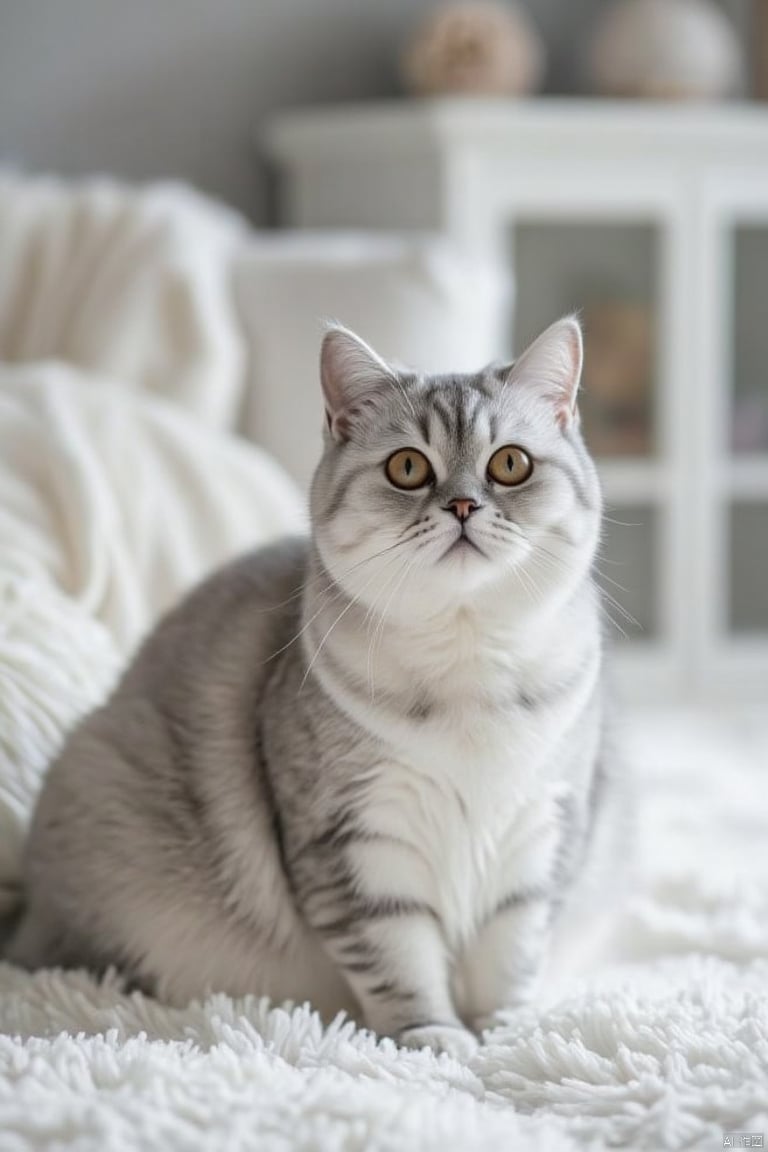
(551, 366)
(353, 377)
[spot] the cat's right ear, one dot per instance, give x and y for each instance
(551, 368)
(353, 377)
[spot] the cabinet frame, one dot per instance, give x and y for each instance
(728, 664)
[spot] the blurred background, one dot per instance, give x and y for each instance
(182, 87)
(448, 179)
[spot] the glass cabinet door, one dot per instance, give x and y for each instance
(748, 570)
(746, 600)
(609, 271)
(749, 395)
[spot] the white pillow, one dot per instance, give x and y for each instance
(414, 299)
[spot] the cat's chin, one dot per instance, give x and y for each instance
(461, 576)
(463, 549)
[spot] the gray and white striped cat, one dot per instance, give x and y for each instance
(365, 769)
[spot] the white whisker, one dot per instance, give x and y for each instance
(340, 617)
(378, 631)
(302, 588)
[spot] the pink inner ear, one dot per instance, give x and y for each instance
(341, 423)
(567, 411)
(338, 424)
(552, 365)
(351, 375)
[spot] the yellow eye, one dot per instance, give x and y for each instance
(510, 466)
(408, 468)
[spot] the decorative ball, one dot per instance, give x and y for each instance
(475, 49)
(666, 49)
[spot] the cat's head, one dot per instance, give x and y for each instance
(434, 488)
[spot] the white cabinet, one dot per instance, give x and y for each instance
(653, 220)
(733, 427)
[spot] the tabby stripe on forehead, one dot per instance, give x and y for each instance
(460, 404)
(477, 406)
(432, 393)
(444, 416)
(481, 384)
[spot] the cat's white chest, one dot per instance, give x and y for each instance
(460, 814)
(458, 837)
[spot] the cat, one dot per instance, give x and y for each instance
(368, 769)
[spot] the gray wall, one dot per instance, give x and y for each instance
(152, 88)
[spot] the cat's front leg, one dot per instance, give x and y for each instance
(501, 966)
(394, 957)
(392, 952)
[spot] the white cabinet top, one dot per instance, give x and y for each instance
(543, 126)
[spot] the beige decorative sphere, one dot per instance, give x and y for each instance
(475, 49)
(666, 49)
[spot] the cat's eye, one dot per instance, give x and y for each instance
(510, 466)
(408, 469)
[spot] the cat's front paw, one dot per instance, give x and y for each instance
(490, 1020)
(485, 1023)
(453, 1039)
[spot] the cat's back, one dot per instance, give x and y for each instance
(247, 604)
(197, 675)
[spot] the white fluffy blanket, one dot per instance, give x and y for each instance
(666, 1051)
(111, 505)
(133, 285)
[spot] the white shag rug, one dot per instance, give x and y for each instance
(666, 1049)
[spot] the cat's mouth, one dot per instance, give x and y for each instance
(462, 543)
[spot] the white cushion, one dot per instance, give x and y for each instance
(414, 299)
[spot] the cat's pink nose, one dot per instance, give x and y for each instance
(462, 509)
